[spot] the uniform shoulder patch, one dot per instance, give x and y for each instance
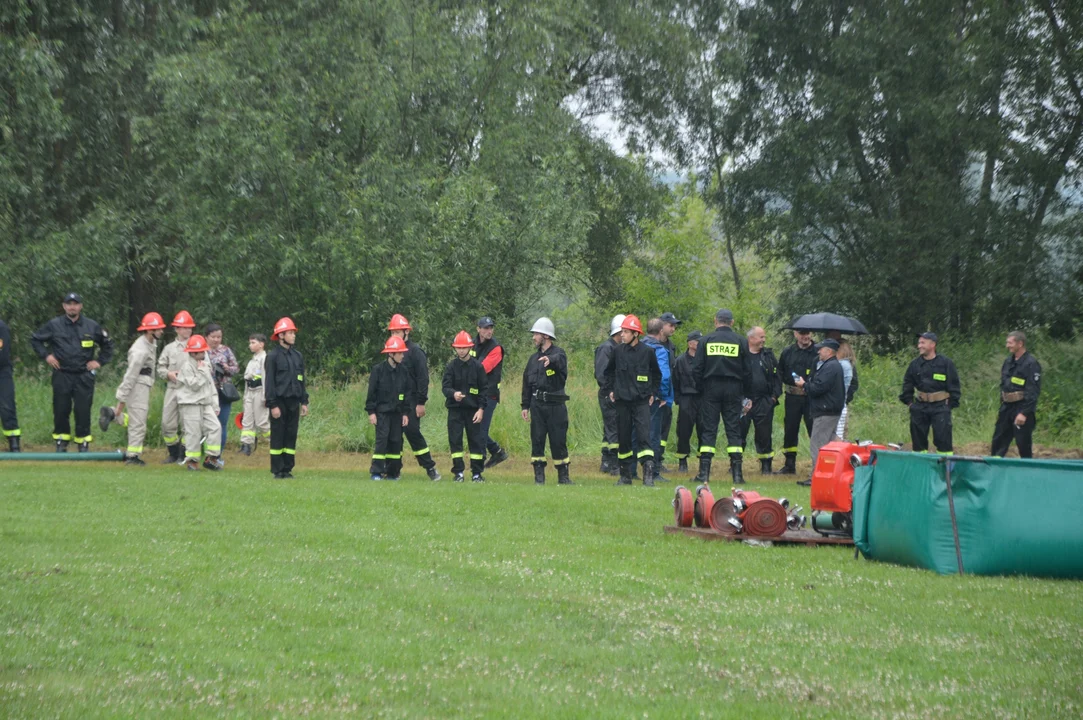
(1037, 377)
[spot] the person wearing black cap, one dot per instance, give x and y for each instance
(798, 359)
(931, 391)
(75, 347)
(490, 354)
(1020, 385)
(669, 327)
(722, 372)
(9, 419)
(763, 392)
(687, 399)
(826, 396)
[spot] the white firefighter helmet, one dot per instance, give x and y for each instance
(544, 326)
(614, 324)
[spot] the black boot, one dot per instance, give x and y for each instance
(496, 458)
(765, 466)
(539, 473)
(13, 444)
(562, 475)
(106, 416)
(682, 465)
(61, 446)
(626, 473)
(606, 464)
(246, 449)
(790, 467)
(84, 446)
(704, 476)
(648, 473)
(737, 468)
(174, 454)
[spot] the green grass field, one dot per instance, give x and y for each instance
(154, 592)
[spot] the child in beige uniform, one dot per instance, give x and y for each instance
(169, 364)
(134, 390)
(256, 421)
(197, 398)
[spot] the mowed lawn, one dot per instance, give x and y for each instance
(152, 592)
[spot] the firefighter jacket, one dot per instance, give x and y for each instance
(142, 357)
(468, 377)
(195, 383)
(1024, 374)
(633, 374)
(826, 390)
(172, 359)
(5, 347)
(540, 381)
(684, 382)
(253, 371)
(794, 359)
(73, 343)
(416, 363)
(765, 382)
(931, 376)
(389, 389)
(284, 377)
(665, 366)
(722, 355)
(602, 353)
(491, 356)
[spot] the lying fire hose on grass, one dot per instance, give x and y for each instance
(745, 513)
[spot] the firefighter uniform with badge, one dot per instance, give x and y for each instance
(602, 355)
(465, 387)
(764, 391)
(286, 396)
(798, 359)
(490, 354)
(931, 389)
(170, 361)
(687, 398)
(133, 393)
(1020, 385)
(721, 371)
(416, 363)
(387, 405)
(543, 402)
(75, 347)
(9, 419)
(631, 380)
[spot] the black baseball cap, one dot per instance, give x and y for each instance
(73, 297)
(694, 335)
(670, 318)
(486, 322)
(725, 315)
(828, 343)
(929, 336)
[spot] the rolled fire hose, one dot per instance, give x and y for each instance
(683, 507)
(704, 503)
(722, 513)
(766, 518)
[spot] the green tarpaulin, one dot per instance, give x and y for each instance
(1013, 516)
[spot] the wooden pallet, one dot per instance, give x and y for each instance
(790, 537)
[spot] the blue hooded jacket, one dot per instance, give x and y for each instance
(665, 388)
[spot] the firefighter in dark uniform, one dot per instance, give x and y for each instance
(69, 343)
(931, 390)
(490, 354)
(687, 399)
(602, 353)
(631, 380)
(798, 359)
(417, 365)
(1020, 385)
(722, 372)
(764, 392)
(286, 396)
(9, 419)
(543, 402)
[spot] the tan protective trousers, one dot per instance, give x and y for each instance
(257, 417)
(170, 417)
(200, 424)
(135, 417)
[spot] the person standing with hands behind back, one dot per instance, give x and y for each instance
(286, 396)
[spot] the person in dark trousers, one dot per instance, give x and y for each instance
(931, 390)
(662, 402)
(631, 380)
(665, 336)
(9, 417)
(827, 395)
(687, 398)
(465, 386)
(602, 353)
(286, 397)
(764, 391)
(490, 354)
(387, 405)
(75, 347)
(543, 402)
(722, 372)
(417, 366)
(798, 359)
(1020, 386)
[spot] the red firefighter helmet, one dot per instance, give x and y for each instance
(631, 322)
(196, 343)
(394, 344)
(282, 326)
(463, 340)
(399, 322)
(183, 319)
(151, 321)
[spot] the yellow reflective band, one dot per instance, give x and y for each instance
(87, 343)
(537, 459)
(401, 396)
(266, 434)
(13, 433)
(663, 443)
(765, 456)
(257, 377)
(706, 449)
(1018, 381)
(135, 449)
(645, 453)
(393, 457)
(379, 457)
(550, 372)
(61, 437)
(624, 456)
(498, 385)
(565, 461)
(642, 378)
(735, 449)
(723, 349)
(289, 451)
(940, 376)
(422, 451)
(86, 439)
(214, 449)
(456, 455)
(473, 353)
(476, 457)
(945, 452)
(473, 391)
(191, 454)
(170, 440)
(790, 449)
(301, 378)
(275, 452)
(248, 433)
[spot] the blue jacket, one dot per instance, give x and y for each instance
(665, 388)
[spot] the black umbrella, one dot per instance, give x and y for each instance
(820, 322)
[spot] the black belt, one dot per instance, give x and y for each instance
(254, 383)
(148, 372)
(554, 397)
